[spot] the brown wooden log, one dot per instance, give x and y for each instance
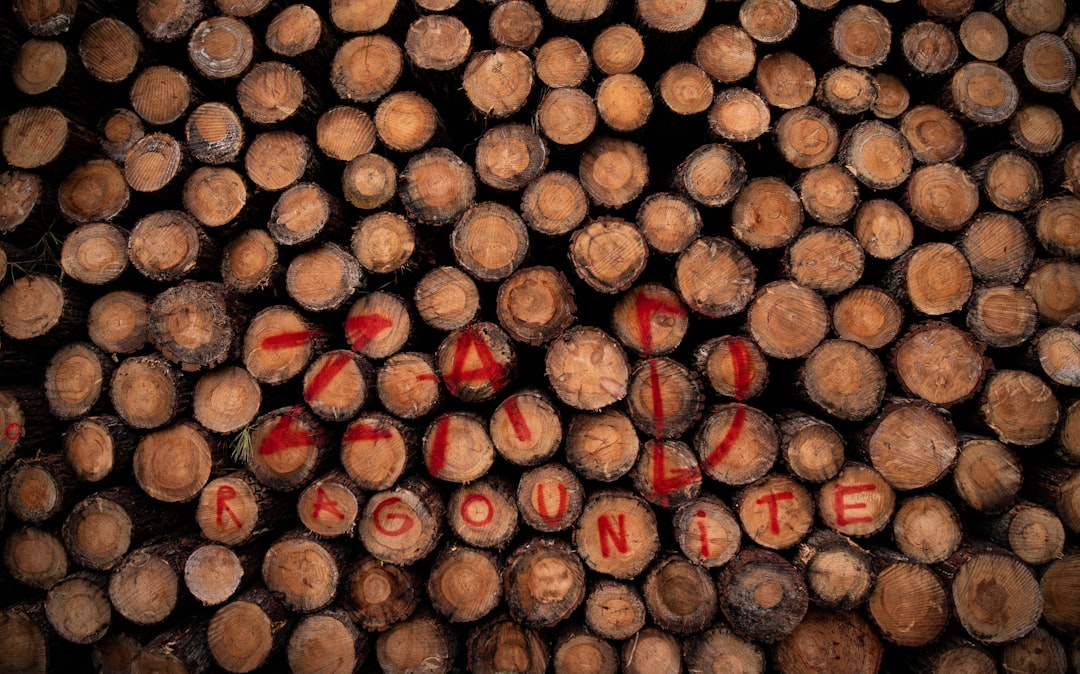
(278, 344)
(706, 531)
(39, 66)
(738, 114)
(145, 587)
(457, 448)
(785, 79)
(995, 596)
(213, 573)
(303, 571)
(614, 610)
(533, 600)
(169, 246)
(233, 506)
(525, 428)
(927, 529)
(345, 132)
(1019, 407)
(667, 473)
(911, 444)
(501, 643)
(733, 366)
(1046, 62)
(498, 82)
(515, 24)
(246, 632)
(436, 186)
(95, 447)
(812, 449)
(299, 31)
(624, 102)
(984, 36)
(1068, 429)
(719, 647)
(118, 322)
(616, 534)
(929, 48)
(330, 505)
(839, 574)
(939, 348)
(680, 596)
(226, 400)
(287, 448)
(578, 650)
(214, 195)
(164, 21)
(173, 464)
(1049, 284)
(736, 444)
(712, 175)
(75, 378)
(1036, 129)
(194, 324)
(20, 192)
(214, 134)
(38, 489)
(561, 61)
(846, 90)
(686, 89)
(893, 97)
(787, 320)
(618, 49)
(377, 595)
(402, 525)
(555, 203)
(302, 213)
(36, 307)
(714, 277)
(601, 446)
(934, 278)
(998, 247)
(377, 324)
(766, 213)
(483, 513)
(669, 222)
(369, 180)
(1058, 610)
(46, 20)
(323, 278)
(828, 193)
(1010, 179)
(602, 382)
(651, 650)
(549, 498)
(857, 502)
(1055, 487)
(326, 642)
(762, 595)
(987, 475)
(464, 584)
(613, 171)
(827, 260)
(405, 121)
(1054, 222)
(365, 68)
(423, 641)
(844, 378)
(36, 136)
(664, 397)
(983, 93)
(846, 640)
(383, 242)
(1034, 534)
(438, 42)
(1055, 350)
(221, 47)
(276, 159)
(94, 191)
(861, 36)
(933, 134)
(909, 604)
(78, 608)
(407, 385)
(35, 557)
(376, 450)
(776, 511)
(147, 392)
(1039, 650)
(147, 99)
(26, 639)
(1002, 315)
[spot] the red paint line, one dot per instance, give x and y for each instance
(517, 419)
(361, 330)
(325, 375)
(287, 340)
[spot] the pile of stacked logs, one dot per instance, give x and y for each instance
(567, 335)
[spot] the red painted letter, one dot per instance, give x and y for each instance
(323, 502)
(226, 493)
(477, 521)
(703, 533)
(405, 522)
(13, 431)
(606, 530)
(771, 500)
(840, 505)
(541, 504)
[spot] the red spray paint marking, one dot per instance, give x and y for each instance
(406, 522)
(13, 431)
(428, 377)
(541, 505)
(644, 308)
(437, 457)
(489, 372)
(665, 483)
(360, 330)
(772, 500)
(284, 435)
(324, 502)
(362, 432)
(839, 505)
(226, 493)
(703, 534)
(287, 340)
(743, 371)
(466, 515)
(517, 419)
(325, 375)
(605, 531)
